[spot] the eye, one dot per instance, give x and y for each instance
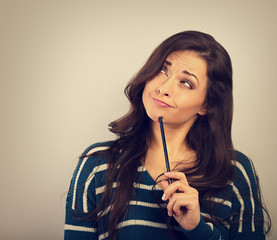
(187, 84)
(163, 71)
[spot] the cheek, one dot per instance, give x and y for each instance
(144, 94)
(151, 111)
(191, 103)
(146, 91)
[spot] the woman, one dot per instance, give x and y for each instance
(120, 189)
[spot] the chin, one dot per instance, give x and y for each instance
(154, 116)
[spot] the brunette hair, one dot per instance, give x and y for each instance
(210, 136)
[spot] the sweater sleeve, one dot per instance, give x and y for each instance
(246, 213)
(202, 232)
(81, 201)
(248, 220)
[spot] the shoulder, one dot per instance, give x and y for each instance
(243, 163)
(243, 159)
(91, 161)
(245, 171)
(100, 147)
(94, 155)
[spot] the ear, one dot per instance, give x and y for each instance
(203, 111)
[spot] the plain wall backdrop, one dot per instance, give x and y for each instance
(64, 65)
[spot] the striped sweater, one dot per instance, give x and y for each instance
(145, 217)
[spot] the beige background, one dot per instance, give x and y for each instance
(64, 65)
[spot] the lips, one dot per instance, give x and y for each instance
(160, 103)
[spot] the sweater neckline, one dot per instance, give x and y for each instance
(148, 178)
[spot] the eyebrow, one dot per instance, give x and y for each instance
(185, 71)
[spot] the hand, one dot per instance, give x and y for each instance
(183, 201)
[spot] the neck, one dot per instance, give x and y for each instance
(175, 136)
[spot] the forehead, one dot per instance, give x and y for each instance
(188, 60)
(182, 55)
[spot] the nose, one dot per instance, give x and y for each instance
(167, 87)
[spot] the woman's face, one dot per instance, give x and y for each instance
(178, 92)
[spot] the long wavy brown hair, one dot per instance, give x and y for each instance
(210, 136)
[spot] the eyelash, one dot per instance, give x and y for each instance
(163, 70)
(183, 82)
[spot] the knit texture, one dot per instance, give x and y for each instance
(145, 218)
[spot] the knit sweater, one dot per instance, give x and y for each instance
(145, 219)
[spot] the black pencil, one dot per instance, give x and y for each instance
(165, 148)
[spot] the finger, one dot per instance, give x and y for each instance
(164, 184)
(175, 203)
(177, 175)
(175, 188)
(181, 201)
(182, 204)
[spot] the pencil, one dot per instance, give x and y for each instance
(165, 148)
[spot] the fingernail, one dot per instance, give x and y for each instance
(167, 173)
(168, 214)
(163, 197)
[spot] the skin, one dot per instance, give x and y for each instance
(183, 201)
(177, 94)
(184, 94)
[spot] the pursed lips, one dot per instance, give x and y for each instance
(160, 103)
